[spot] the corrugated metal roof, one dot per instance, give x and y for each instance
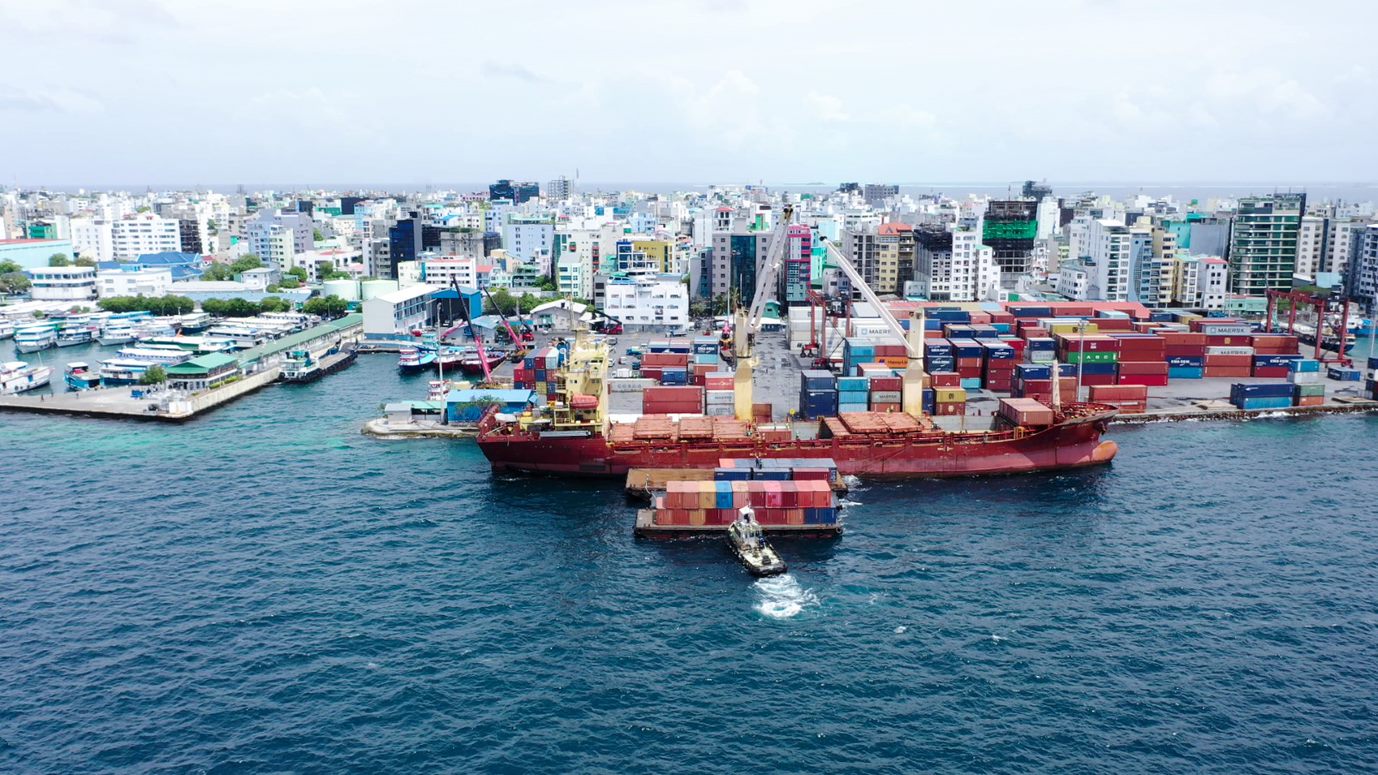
(301, 337)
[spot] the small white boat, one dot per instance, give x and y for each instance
(70, 337)
(748, 542)
(167, 355)
(6, 329)
(18, 376)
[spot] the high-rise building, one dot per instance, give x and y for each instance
(735, 258)
(795, 276)
(515, 191)
(1263, 243)
(859, 244)
(1362, 281)
(1311, 236)
(144, 233)
(559, 189)
(875, 194)
(1111, 247)
(1009, 229)
(951, 264)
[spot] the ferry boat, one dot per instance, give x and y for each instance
(70, 337)
(149, 329)
(79, 376)
(576, 437)
(166, 355)
(6, 329)
(121, 371)
(301, 366)
(33, 337)
(193, 323)
(116, 331)
(18, 376)
(196, 344)
(414, 360)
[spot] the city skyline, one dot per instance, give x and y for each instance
(149, 90)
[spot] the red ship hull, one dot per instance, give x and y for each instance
(1075, 442)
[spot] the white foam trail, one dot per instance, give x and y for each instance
(782, 597)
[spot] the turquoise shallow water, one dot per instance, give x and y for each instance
(266, 590)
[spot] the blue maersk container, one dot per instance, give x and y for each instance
(950, 315)
(1031, 312)
(853, 384)
(1264, 403)
(930, 401)
(1095, 369)
(1028, 371)
(1344, 375)
(1269, 395)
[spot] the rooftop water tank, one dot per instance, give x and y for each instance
(345, 289)
(371, 288)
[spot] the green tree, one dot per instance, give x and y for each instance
(247, 262)
(297, 272)
(289, 282)
(548, 284)
(85, 261)
(144, 209)
(327, 307)
(211, 226)
(274, 304)
(14, 282)
(154, 375)
(7, 267)
(316, 236)
(503, 299)
(59, 259)
(216, 273)
(528, 302)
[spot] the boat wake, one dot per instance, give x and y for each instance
(782, 597)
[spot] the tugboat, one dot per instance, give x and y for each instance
(745, 538)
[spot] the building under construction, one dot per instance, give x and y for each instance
(1010, 230)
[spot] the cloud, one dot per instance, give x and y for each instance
(513, 71)
(827, 107)
(65, 101)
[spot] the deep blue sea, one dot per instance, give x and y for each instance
(266, 590)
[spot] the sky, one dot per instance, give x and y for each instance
(298, 92)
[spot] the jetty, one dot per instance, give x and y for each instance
(195, 387)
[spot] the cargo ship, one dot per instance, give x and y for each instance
(574, 436)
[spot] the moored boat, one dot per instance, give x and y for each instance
(6, 329)
(79, 376)
(75, 335)
(414, 360)
(33, 337)
(301, 366)
(18, 376)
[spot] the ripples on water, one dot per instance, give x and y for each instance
(266, 590)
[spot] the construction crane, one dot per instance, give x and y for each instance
(518, 349)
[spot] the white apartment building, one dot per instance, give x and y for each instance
(1109, 244)
(1310, 245)
(93, 238)
(1211, 280)
(445, 271)
(1340, 241)
(659, 300)
(143, 233)
(530, 239)
(63, 283)
(132, 281)
(270, 232)
(559, 189)
(953, 265)
(1074, 280)
(397, 311)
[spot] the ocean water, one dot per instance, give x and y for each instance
(266, 590)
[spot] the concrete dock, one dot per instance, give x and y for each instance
(259, 366)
